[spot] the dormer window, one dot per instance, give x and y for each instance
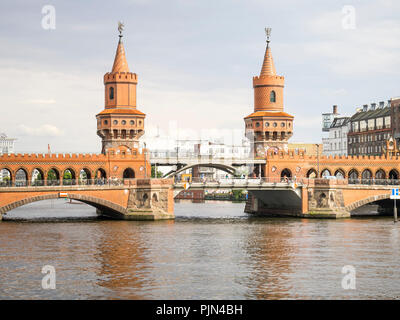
(111, 93)
(272, 97)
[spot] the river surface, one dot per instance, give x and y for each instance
(211, 251)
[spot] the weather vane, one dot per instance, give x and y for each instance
(268, 34)
(120, 28)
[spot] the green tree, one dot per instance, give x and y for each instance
(51, 175)
(153, 172)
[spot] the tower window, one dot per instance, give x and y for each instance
(111, 93)
(272, 97)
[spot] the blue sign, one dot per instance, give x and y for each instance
(395, 194)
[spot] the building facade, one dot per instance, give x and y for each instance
(6, 144)
(395, 118)
(327, 118)
(6, 147)
(336, 143)
(370, 128)
(268, 127)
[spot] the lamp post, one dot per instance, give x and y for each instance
(145, 160)
(317, 159)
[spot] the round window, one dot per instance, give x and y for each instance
(257, 124)
(132, 122)
(275, 124)
(282, 124)
(267, 124)
(123, 122)
(115, 122)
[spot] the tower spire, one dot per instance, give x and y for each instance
(268, 67)
(120, 63)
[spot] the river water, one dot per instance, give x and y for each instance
(211, 251)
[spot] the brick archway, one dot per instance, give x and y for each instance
(367, 200)
(90, 200)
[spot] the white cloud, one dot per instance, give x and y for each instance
(46, 130)
(371, 48)
(40, 101)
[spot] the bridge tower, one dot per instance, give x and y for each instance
(268, 127)
(120, 123)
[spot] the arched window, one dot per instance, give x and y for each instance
(111, 93)
(272, 97)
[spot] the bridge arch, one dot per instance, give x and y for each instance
(98, 203)
(53, 176)
(366, 176)
(312, 173)
(286, 173)
(353, 176)
(21, 177)
(393, 174)
(69, 176)
(223, 167)
(340, 174)
(128, 173)
(325, 173)
(85, 175)
(380, 174)
(367, 200)
(101, 173)
(37, 177)
(7, 178)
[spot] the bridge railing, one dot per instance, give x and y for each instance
(241, 181)
(68, 182)
(288, 180)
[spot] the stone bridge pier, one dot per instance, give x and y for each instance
(318, 198)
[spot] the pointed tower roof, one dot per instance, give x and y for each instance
(268, 67)
(120, 63)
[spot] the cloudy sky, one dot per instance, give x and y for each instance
(195, 60)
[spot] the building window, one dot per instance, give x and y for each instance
(272, 97)
(275, 124)
(267, 124)
(111, 93)
(123, 122)
(132, 122)
(115, 122)
(282, 124)
(105, 122)
(257, 124)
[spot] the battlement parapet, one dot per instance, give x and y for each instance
(51, 156)
(120, 76)
(290, 155)
(268, 80)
